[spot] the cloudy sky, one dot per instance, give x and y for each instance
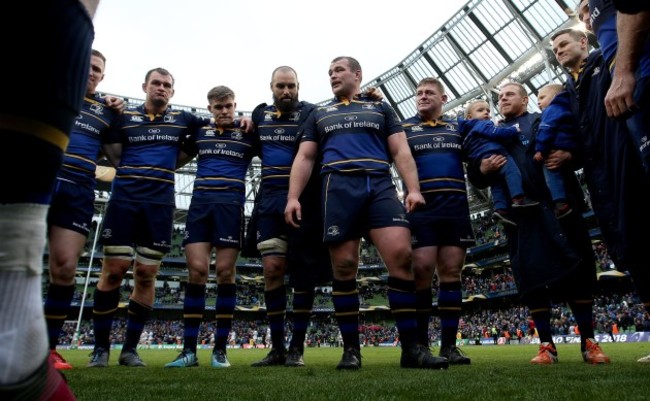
(238, 43)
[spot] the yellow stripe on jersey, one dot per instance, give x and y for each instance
(40, 130)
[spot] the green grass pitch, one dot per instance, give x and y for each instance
(496, 373)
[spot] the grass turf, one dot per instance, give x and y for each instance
(496, 373)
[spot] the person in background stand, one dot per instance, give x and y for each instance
(441, 230)
(70, 216)
(215, 221)
(60, 32)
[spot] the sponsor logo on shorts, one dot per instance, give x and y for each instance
(333, 231)
(230, 240)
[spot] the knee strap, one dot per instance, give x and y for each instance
(273, 246)
(118, 252)
(148, 256)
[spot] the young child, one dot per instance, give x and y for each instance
(557, 130)
(482, 139)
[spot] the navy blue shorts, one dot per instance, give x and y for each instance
(270, 223)
(220, 224)
(355, 203)
(138, 224)
(72, 207)
(441, 231)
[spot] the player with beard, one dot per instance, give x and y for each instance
(299, 252)
(296, 251)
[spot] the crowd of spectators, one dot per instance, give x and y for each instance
(620, 311)
(250, 294)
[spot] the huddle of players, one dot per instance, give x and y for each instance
(224, 149)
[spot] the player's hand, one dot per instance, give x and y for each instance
(556, 158)
(374, 93)
(116, 103)
(413, 201)
(293, 213)
(619, 101)
(492, 164)
(247, 124)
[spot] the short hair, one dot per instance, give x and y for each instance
(99, 54)
(520, 87)
(352, 62)
(220, 92)
(576, 34)
(432, 81)
(160, 71)
(553, 87)
(283, 68)
(472, 105)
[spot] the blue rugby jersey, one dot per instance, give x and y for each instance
(224, 155)
(150, 147)
(88, 131)
(352, 135)
(603, 22)
(278, 133)
(437, 149)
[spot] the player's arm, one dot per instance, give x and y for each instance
(403, 159)
(632, 31)
(246, 124)
(116, 103)
(188, 150)
(113, 152)
(183, 159)
(301, 169)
